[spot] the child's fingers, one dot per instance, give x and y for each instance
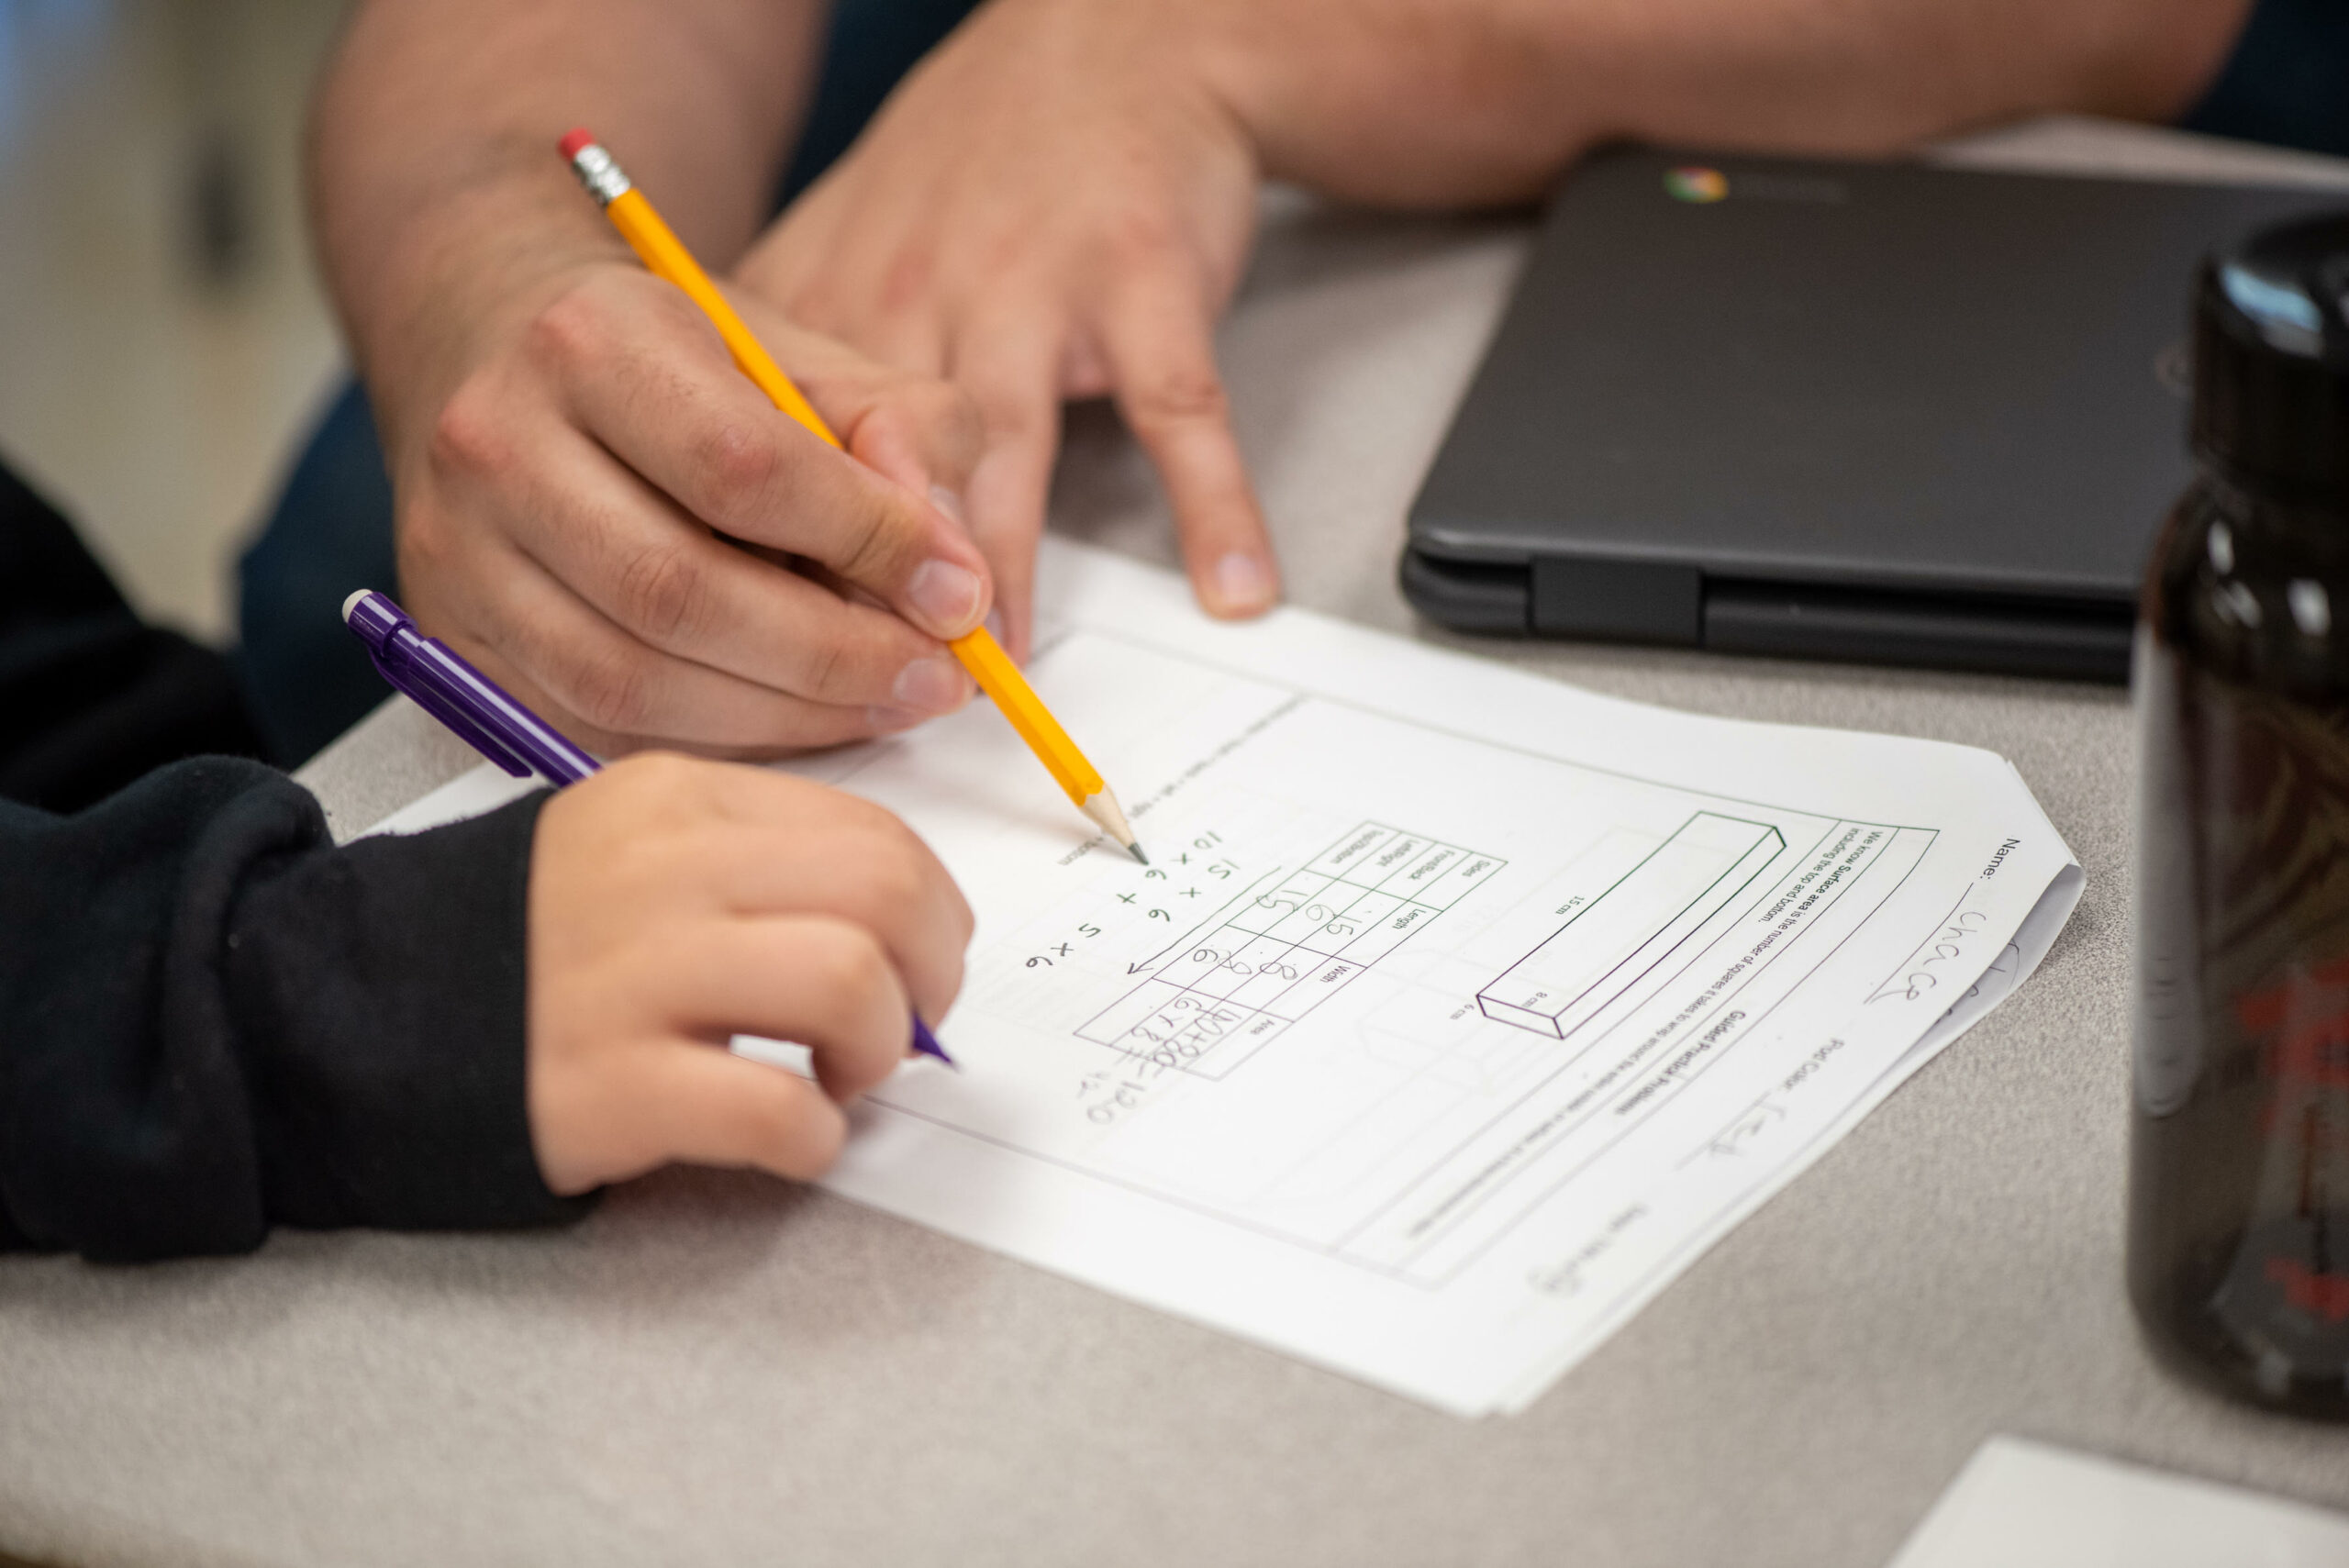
(787, 846)
(820, 982)
(873, 874)
(706, 1106)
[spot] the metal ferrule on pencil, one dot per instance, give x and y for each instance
(599, 173)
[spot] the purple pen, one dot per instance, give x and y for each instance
(434, 677)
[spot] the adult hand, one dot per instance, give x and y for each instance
(673, 904)
(571, 508)
(1052, 205)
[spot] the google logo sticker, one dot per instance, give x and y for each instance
(1693, 182)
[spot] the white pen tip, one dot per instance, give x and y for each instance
(351, 603)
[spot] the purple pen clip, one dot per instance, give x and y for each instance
(378, 622)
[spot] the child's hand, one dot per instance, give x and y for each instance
(675, 903)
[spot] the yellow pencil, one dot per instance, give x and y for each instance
(666, 257)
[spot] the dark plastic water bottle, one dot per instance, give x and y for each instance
(2239, 1203)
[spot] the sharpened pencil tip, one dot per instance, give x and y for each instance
(1135, 851)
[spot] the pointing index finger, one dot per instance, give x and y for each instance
(1159, 339)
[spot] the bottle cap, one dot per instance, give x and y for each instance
(2271, 360)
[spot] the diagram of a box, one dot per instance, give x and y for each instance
(1620, 938)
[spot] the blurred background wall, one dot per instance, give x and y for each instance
(163, 340)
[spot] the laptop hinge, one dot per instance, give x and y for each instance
(1629, 601)
(2076, 640)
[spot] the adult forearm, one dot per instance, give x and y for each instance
(1441, 101)
(435, 192)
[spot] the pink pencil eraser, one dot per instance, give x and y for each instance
(572, 143)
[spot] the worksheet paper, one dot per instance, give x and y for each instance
(1458, 1010)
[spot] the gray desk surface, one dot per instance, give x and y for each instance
(721, 1369)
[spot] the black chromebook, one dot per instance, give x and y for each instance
(1878, 411)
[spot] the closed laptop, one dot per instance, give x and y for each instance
(1881, 411)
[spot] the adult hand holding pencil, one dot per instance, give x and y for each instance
(575, 462)
(666, 257)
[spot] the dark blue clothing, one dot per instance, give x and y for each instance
(871, 46)
(306, 679)
(2287, 83)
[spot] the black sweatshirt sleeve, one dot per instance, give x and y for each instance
(90, 697)
(213, 1021)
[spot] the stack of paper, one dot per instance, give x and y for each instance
(1459, 1011)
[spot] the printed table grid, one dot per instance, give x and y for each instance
(1286, 944)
